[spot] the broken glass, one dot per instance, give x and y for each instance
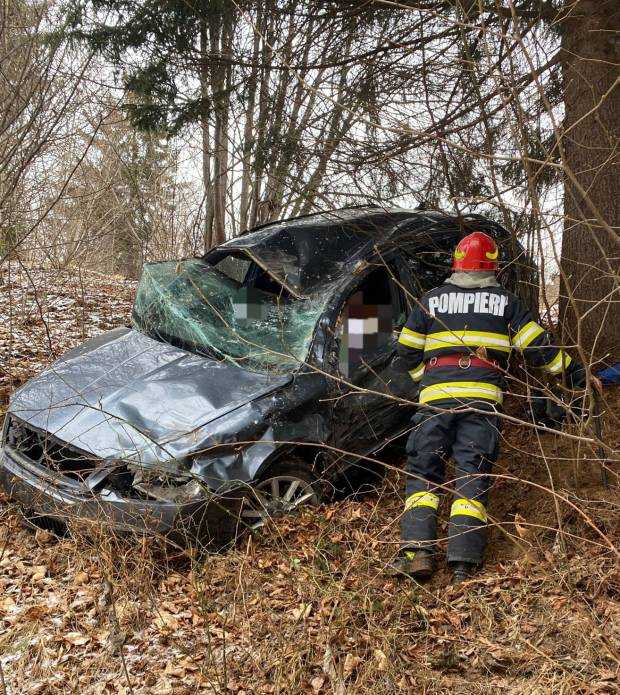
(193, 305)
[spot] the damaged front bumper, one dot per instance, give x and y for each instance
(211, 519)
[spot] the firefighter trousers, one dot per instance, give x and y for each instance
(472, 439)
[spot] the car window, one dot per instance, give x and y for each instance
(370, 316)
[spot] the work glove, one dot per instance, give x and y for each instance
(548, 412)
(400, 384)
(545, 411)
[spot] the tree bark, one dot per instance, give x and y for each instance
(248, 130)
(260, 151)
(205, 94)
(220, 34)
(590, 295)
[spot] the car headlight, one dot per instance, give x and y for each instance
(177, 489)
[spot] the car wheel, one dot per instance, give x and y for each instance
(283, 489)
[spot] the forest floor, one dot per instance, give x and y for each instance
(306, 606)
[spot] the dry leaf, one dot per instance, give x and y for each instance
(519, 527)
(35, 612)
(39, 573)
(302, 612)
(328, 662)
(351, 662)
(80, 578)
(7, 604)
(381, 659)
(317, 683)
(76, 638)
(43, 537)
(165, 621)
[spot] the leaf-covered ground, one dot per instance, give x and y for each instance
(306, 607)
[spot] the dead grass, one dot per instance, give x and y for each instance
(307, 608)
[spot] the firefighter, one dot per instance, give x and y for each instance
(456, 342)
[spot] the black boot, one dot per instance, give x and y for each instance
(417, 564)
(461, 571)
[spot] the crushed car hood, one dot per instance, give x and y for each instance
(124, 394)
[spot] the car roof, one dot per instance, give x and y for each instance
(305, 254)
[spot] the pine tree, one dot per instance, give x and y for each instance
(590, 290)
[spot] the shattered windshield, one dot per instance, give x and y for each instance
(191, 304)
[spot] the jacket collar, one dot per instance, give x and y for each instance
(469, 279)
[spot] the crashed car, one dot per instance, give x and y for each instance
(252, 380)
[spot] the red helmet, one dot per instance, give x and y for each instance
(476, 251)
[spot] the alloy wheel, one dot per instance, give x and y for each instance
(277, 496)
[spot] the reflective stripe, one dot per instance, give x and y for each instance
(465, 507)
(558, 363)
(422, 499)
(461, 389)
(526, 335)
(417, 373)
(443, 339)
(411, 338)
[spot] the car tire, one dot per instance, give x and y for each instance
(282, 489)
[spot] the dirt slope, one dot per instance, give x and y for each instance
(306, 607)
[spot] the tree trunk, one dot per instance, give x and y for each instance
(260, 147)
(205, 94)
(590, 294)
(248, 131)
(220, 36)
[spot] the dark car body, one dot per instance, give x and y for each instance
(145, 428)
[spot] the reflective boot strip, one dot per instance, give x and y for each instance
(527, 335)
(411, 338)
(462, 389)
(465, 507)
(474, 339)
(417, 373)
(422, 499)
(558, 363)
